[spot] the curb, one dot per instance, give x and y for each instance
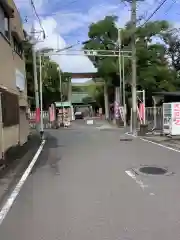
(12, 168)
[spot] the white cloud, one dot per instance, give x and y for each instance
(68, 22)
(71, 22)
(67, 63)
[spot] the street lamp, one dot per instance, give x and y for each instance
(60, 84)
(60, 90)
(120, 67)
(40, 53)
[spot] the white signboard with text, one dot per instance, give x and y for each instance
(20, 80)
(171, 118)
(175, 119)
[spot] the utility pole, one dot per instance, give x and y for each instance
(133, 45)
(35, 80)
(60, 90)
(60, 86)
(119, 58)
(124, 92)
(41, 95)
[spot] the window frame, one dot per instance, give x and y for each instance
(17, 46)
(6, 32)
(9, 100)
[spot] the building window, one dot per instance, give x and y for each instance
(4, 24)
(17, 47)
(9, 101)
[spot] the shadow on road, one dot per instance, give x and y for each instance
(51, 154)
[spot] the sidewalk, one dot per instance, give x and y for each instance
(173, 142)
(16, 160)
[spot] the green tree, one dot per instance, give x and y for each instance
(153, 70)
(50, 77)
(158, 64)
(103, 36)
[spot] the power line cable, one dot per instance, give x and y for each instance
(40, 23)
(55, 13)
(171, 5)
(154, 12)
(145, 12)
(143, 24)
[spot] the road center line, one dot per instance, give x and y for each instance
(133, 176)
(8, 204)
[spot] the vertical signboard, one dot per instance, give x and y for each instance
(176, 119)
(38, 115)
(142, 112)
(167, 118)
(116, 110)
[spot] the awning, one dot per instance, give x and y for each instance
(7, 8)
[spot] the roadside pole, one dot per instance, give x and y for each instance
(133, 45)
(124, 93)
(119, 58)
(35, 81)
(60, 90)
(41, 96)
(144, 102)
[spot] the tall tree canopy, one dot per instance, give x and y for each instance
(50, 77)
(158, 54)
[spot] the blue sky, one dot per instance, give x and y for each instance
(66, 22)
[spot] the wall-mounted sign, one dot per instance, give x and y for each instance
(171, 118)
(20, 80)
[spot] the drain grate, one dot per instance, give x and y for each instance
(125, 139)
(153, 170)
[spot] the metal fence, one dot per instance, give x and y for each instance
(154, 117)
(46, 123)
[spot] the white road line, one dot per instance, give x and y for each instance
(155, 143)
(130, 134)
(7, 206)
(133, 176)
(160, 145)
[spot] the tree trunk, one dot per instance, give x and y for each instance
(106, 101)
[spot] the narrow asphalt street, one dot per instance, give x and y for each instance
(83, 188)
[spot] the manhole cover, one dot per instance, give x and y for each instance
(153, 170)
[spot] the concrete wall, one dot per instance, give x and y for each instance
(9, 62)
(23, 127)
(11, 136)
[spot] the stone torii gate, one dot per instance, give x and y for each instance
(80, 75)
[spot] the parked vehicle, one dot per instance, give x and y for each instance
(79, 115)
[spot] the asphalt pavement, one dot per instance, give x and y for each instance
(85, 186)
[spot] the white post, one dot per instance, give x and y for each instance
(144, 101)
(41, 96)
(2, 128)
(35, 75)
(119, 58)
(154, 113)
(131, 122)
(60, 89)
(124, 96)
